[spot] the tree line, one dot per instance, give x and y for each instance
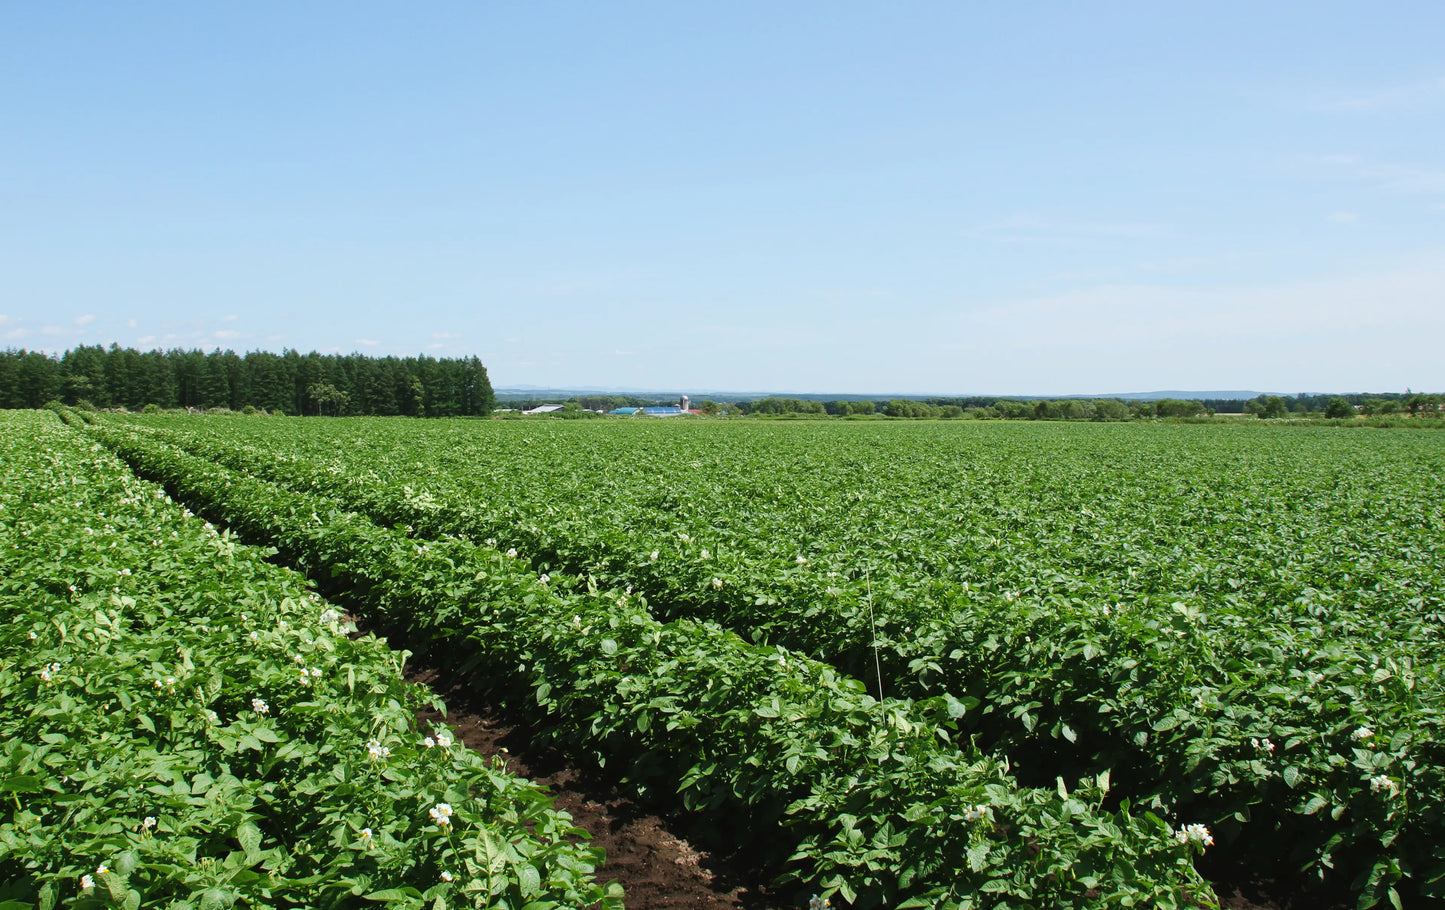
(978, 408)
(1381, 404)
(285, 383)
(1334, 407)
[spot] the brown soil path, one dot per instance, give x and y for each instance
(657, 867)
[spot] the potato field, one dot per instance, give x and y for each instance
(958, 665)
(186, 725)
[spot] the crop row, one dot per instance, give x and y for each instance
(882, 806)
(186, 725)
(1232, 706)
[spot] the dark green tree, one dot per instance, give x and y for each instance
(1339, 409)
(1267, 406)
(1174, 407)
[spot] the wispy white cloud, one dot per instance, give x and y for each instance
(1147, 312)
(1344, 217)
(1403, 178)
(17, 334)
(590, 283)
(435, 345)
(226, 334)
(1404, 97)
(53, 330)
(443, 336)
(145, 339)
(231, 317)
(87, 319)
(1182, 264)
(371, 343)
(1409, 179)
(1131, 337)
(131, 323)
(1027, 227)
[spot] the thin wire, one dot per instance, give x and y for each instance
(877, 666)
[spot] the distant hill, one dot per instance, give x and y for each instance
(539, 393)
(1233, 395)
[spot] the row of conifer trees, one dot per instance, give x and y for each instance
(288, 383)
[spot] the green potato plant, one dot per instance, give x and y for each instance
(880, 803)
(186, 725)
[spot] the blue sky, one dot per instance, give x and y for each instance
(1028, 198)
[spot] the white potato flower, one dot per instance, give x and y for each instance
(1196, 833)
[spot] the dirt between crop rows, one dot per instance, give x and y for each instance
(650, 855)
(657, 868)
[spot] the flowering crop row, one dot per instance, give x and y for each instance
(186, 725)
(1213, 617)
(881, 807)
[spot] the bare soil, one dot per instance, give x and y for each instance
(647, 853)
